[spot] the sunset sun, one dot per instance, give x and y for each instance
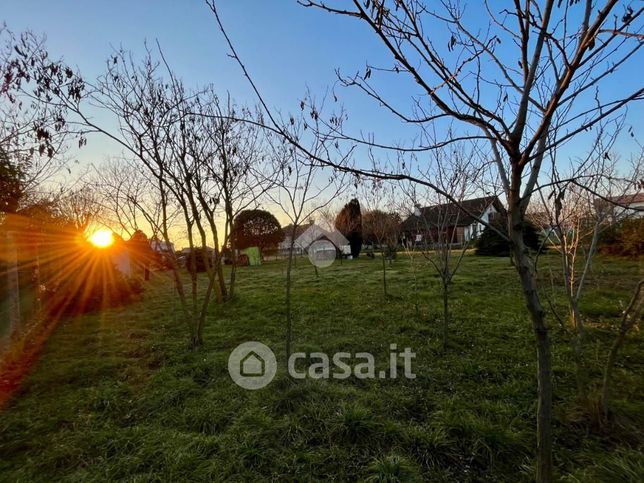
(101, 238)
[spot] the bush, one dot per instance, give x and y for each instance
(491, 244)
(625, 239)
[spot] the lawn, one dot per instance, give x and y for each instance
(118, 395)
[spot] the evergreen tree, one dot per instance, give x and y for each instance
(491, 244)
(349, 223)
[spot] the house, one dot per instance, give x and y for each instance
(164, 251)
(618, 207)
(314, 233)
(284, 246)
(160, 246)
(458, 223)
(306, 234)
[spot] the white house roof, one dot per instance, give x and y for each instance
(315, 232)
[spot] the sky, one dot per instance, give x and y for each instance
(286, 47)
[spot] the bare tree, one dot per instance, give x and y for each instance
(163, 126)
(155, 128)
(233, 154)
(631, 316)
(382, 229)
(80, 206)
(445, 230)
(576, 210)
(549, 76)
(130, 199)
(301, 190)
(381, 222)
(33, 136)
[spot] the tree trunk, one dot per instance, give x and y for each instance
(384, 275)
(289, 317)
(222, 281)
(445, 314)
(194, 317)
(13, 283)
(577, 348)
(575, 318)
(233, 271)
(544, 364)
(608, 371)
(198, 341)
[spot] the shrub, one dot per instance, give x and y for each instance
(491, 244)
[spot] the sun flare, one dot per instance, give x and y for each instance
(101, 238)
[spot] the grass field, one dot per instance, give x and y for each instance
(117, 395)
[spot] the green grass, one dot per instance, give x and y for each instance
(118, 395)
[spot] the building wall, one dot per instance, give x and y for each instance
(477, 228)
(617, 213)
(636, 214)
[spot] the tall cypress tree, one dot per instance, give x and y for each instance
(349, 223)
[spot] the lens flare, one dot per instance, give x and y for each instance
(101, 238)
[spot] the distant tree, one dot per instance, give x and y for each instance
(382, 228)
(349, 223)
(256, 228)
(11, 183)
(139, 242)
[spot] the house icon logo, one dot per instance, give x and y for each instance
(252, 365)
